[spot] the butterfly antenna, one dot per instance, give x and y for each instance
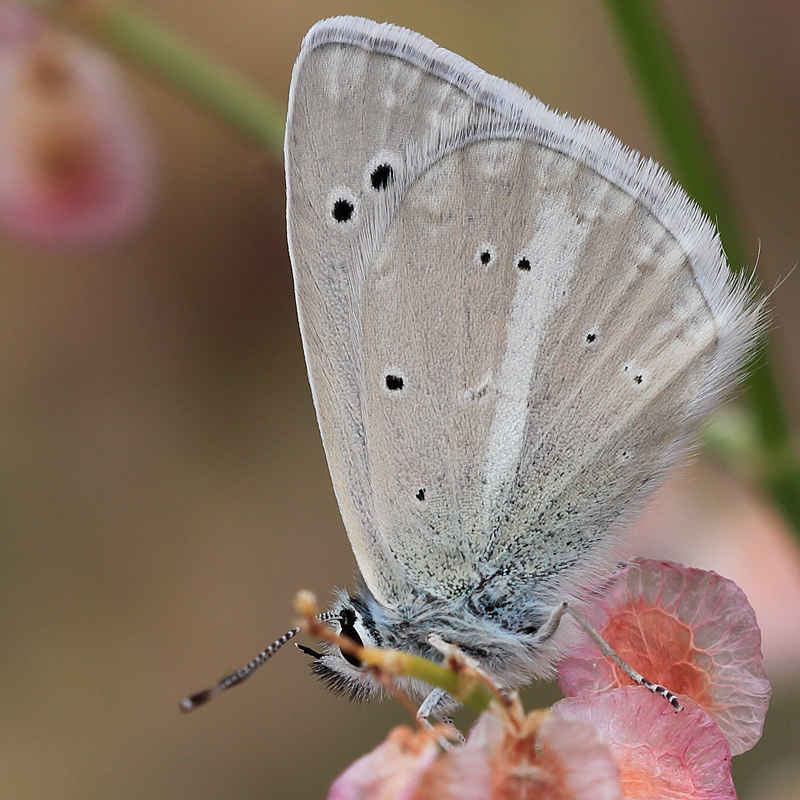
(193, 701)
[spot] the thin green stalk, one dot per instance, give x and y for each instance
(466, 688)
(662, 81)
(149, 45)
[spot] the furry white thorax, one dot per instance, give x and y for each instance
(512, 657)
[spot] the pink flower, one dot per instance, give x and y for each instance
(549, 758)
(76, 168)
(690, 630)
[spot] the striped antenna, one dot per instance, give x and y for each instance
(193, 701)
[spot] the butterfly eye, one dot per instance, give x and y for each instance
(347, 621)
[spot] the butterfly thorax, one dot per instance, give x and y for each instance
(512, 655)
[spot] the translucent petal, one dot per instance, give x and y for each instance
(690, 630)
(661, 754)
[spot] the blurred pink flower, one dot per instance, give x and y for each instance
(19, 23)
(690, 630)
(660, 753)
(76, 168)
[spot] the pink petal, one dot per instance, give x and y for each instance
(661, 754)
(552, 759)
(76, 168)
(691, 630)
(705, 518)
(466, 772)
(584, 765)
(392, 771)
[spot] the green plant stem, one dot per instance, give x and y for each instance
(662, 81)
(148, 44)
(468, 690)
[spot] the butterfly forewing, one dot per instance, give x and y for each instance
(354, 114)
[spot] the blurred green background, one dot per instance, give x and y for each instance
(163, 490)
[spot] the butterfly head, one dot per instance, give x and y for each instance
(342, 672)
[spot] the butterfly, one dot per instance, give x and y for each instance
(513, 326)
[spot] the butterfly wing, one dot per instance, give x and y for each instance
(511, 323)
(356, 112)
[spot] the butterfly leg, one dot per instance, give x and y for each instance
(435, 700)
(553, 621)
(432, 706)
(608, 651)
